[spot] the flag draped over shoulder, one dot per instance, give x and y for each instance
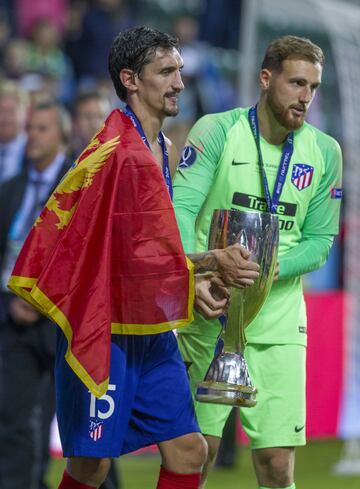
(105, 254)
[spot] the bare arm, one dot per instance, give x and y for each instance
(231, 265)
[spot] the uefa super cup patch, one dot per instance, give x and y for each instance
(336, 192)
(188, 157)
(302, 175)
(96, 430)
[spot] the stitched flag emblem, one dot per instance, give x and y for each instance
(96, 430)
(302, 175)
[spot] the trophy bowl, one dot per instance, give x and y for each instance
(227, 380)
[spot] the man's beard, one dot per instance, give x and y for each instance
(282, 114)
(170, 111)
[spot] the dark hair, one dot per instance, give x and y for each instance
(133, 49)
(63, 116)
(86, 96)
(291, 47)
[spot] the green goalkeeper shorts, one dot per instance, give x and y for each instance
(277, 371)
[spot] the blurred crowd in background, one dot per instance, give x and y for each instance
(59, 50)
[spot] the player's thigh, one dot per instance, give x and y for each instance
(278, 419)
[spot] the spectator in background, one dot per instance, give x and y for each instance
(45, 57)
(5, 31)
(90, 109)
(185, 29)
(28, 13)
(75, 17)
(220, 23)
(203, 72)
(7, 9)
(13, 110)
(14, 64)
(208, 89)
(101, 23)
(27, 339)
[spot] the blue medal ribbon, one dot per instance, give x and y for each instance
(288, 148)
(161, 139)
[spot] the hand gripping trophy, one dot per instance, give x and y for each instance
(227, 380)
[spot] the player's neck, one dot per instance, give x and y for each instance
(150, 123)
(269, 127)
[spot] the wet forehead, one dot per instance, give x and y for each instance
(165, 57)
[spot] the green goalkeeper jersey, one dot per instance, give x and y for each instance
(219, 168)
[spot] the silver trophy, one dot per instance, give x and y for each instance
(227, 380)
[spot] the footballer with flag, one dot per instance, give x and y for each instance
(104, 260)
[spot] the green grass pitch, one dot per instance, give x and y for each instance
(313, 470)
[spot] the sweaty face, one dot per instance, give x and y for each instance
(160, 83)
(291, 92)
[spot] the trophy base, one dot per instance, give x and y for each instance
(224, 393)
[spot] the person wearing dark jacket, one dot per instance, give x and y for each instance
(27, 339)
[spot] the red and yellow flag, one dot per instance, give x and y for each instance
(105, 255)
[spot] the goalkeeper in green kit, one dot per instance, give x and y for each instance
(265, 158)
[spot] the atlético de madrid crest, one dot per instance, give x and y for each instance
(302, 175)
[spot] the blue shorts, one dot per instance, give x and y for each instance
(148, 400)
